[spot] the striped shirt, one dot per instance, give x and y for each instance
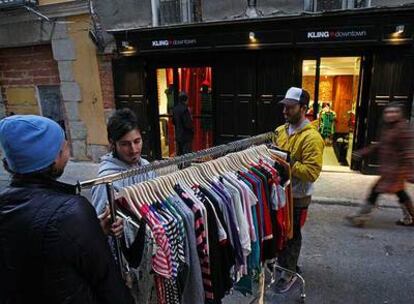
(161, 262)
(201, 239)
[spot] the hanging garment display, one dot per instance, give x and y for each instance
(327, 123)
(214, 224)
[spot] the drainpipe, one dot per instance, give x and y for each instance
(155, 7)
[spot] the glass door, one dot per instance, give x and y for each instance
(195, 82)
(333, 83)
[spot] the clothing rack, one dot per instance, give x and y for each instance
(176, 161)
(183, 160)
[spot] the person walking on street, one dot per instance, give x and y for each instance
(299, 137)
(52, 246)
(184, 129)
(396, 160)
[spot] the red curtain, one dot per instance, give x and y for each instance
(190, 80)
(171, 130)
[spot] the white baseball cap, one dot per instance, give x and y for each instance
(296, 96)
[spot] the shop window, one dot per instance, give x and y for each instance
(362, 3)
(328, 5)
(333, 84)
(175, 11)
(195, 82)
(308, 83)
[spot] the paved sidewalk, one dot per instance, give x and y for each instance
(350, 189)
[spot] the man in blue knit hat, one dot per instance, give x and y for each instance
(52, 247)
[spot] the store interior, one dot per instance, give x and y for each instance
(196, 83)
(337, 104)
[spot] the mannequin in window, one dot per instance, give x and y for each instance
(327, 118)
(169, 92)
(206, 106)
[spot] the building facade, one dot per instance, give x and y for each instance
(50, 66)
(236, 59)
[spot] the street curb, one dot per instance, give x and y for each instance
(345, 202)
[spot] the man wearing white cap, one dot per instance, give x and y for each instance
(305, 145)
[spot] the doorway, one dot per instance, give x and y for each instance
(195, 82)
(334, 84)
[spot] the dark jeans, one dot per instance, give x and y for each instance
(184, 147)
(289, 256)
(403, 197)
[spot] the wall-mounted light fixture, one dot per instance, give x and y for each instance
(127, 49)
(399, 29)
(252, 37)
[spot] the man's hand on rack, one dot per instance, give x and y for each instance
(116, 229)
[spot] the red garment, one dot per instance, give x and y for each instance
(162, 260)
(303, 217)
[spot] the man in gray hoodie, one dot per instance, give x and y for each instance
(124, 135)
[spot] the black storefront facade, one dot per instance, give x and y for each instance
(252, 63)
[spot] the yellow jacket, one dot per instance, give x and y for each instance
(306, 151)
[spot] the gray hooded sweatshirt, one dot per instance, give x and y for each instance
(143, 290)
(110, 165)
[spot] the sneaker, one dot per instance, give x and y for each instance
(405, 223)
(358, 220)
(285, 284)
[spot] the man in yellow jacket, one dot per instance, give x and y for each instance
(305, 144)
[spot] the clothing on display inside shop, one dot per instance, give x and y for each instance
(214, 224)
(327, 123)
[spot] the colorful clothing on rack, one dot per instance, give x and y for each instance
(214, 236)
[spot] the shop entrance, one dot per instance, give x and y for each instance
(195, 82)
(334, 85)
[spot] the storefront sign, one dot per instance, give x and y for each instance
(16, 3)
(334, 35)
(172, 43)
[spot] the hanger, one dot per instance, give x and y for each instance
(213, 167)
(155, 186)
(222, 165)
(165, 186)
(131, 199)
(199, 176)
(138, 192)
(232, 162)
(149, 191)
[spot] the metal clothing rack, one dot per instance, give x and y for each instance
(183, 160)
(176, 161)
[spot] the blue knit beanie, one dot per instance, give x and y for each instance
(31, 143)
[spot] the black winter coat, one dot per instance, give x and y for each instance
(184, 129)
(52, 248)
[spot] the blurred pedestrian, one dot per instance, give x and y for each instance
(396, 160)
